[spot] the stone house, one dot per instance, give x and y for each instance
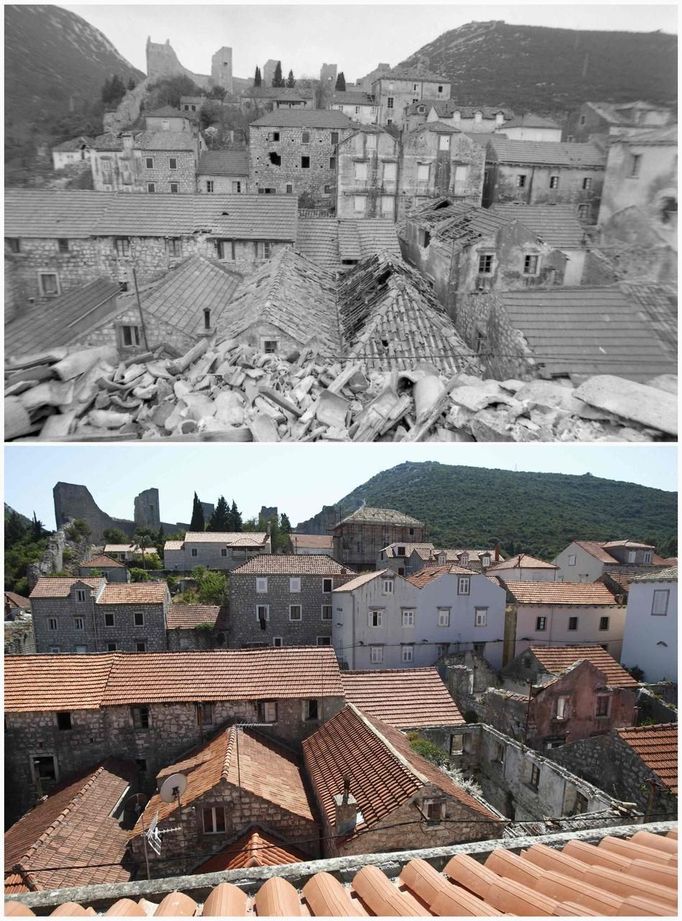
(561, 614)
(56, 241)
(600, 118)
(383, 620)
(92, 615)
(398, 88)
(16, 605)
(574, 692)
(295, 152)
(376, 794)
(171, 120)
(360, 536)
(129, 553)
(439, 160)
(150, 161)
(650, 640)
(587, 560)
(530, 127)
(193, 626)
(214, 550)
(405, 559)
(355, 104)
(238, 779)
(524, 568)
(638, 764)
(223, 171)
(106, 566)
(284, 600)
(72, 153)
(262, 99)
(312, 543)
(544, 172)
(368, 174)
(153, 707)
(192, 103)
(472, 119)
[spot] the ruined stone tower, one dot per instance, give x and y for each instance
(221, 68)
(147, 514)
(74, 501)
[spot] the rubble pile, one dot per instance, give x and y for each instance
(228, 391)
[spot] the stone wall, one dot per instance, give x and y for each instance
(375, 194)
(146, 509)
(162, 62)
(128, 170)
(467, 676)
(359, 544)
(19, 636)
(393, 96)
(503, 186)
(455, 170)
(52, 560)
(73, 501)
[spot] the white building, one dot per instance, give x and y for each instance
(587, 560)
(358, 106)
(383, 620)
(524, 568)
(650, 640)
(214, 549)
(77, 150)
(562, 614)
(530, 127)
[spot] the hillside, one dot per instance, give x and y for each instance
(539, 513)
(55, 63)
(551, 70)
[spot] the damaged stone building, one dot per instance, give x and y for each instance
(398, 88)
(368, 174)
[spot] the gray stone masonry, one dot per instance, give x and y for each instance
(146, 506)
(314, 626)
(467, 676)
(501, 185)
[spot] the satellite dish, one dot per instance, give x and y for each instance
(172, 788)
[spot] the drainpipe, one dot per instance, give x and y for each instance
(398, 176)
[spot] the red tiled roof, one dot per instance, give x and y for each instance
(262, 767)
(101, 561)
(47, 587)
(403, 697)
(52, 845)
(189, 616)
(45, 683)
(363, 579)
(314, 564)
(18, 600)
(384, 770)
(431, 573)
(231, 538)
(134, 593)
(522, 561)
(556, 659)
(312, 541)
(570, 593)
(370, 515)
(633, 876)
(256, 848)
(657, 747)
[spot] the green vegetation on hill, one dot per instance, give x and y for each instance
(25, 543)
(537, 513)
(550, 71)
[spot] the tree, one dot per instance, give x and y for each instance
(15, 529)
(113, 90)
(258, 79)
(131, 83)
(114, 536)
(235, 518)
(217, 92)
(197, 523)
(291, 83)
(285, 534)
(220, 519)
(277, 79)
(340, 82)
(37, 529)
(78, 530)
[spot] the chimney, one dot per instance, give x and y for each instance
(127, 138)
(497, 552)
(345, 810)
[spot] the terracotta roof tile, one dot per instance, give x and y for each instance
(227, 538)
(18, 600)
(314, 564)
(554, 593)
(557, 659)
(224, 163)
(657, 747)
(60, 682)
(549, 153)
(372, 515)
(429, 574)
(522, 561)
(101, 561)
(663, 575)
(189, 616)
(59, 832)
(557, 225)
(256, 848)
(130, 548)
(363, 579)
(134, 593)
(596, 549)
(48, 587)
(303, 118)
(404, 698)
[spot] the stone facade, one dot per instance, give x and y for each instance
(221, 69)
(19, 637)
(358, 543)
(146, 509)
(393, 93)
(368, 175)
(438, 161)
(467, 676)
(225, 553)
(145, 166)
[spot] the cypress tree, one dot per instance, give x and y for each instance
(220, 519)
(197, 523)
(258, 79)
(340, 82)
(291, 83)
(277, 79)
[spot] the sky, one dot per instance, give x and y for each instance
(298, 478)
(353, 35)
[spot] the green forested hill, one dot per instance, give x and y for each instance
(539, 513)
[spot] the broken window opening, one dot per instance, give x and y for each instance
(275, 159)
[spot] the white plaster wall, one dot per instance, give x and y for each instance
(650, 640)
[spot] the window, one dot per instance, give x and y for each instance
(534, 780)
(174, 188)
(326, 612)
(464, 585)
(389, 102)
(172, 163)
(480, 617)
(582, 119)
(659, 605)
(359, 204)
(360, 169)
(210, 185)
(263, 249)
(226, 249)
(140, 717)
(434, 810)
(55, 649)
(273, 136)
(571, 559)
(122, 245)
(140, 646)
(277, 641)
(646, 558)
(572, 623)
(530, 265)
(540, 623)
(407, 618)
(375, 618)
(236, 187)
(149, 162)
(442, 649)
(305, 162)
(327, 585)
(440, 89)
(371, 141)
(635, 164)
(175, 246)
(332, 163)
(295, 584)
(603, 623)
(194, 552)
(79, 623)
(562, 707)
(583, 211)
(376, 655)
(13, 244)
(327, 190)
(387, 587)
(295, 612)
(498, 754)
(44, 770)
(587, 183)
(632, 556)
(109, 620)
(603, 704)
(139, 618)
(214, 820)
(49, 284)
(290, 188)
(129, 336)
(151, 187)
(444, 142)
(270, 346)
(334, 137)
(261, 585)
(443, 617)
(64, 720)
(422, 173)
(324, 641)
(310, 710)
(223, 551)
(485, 264)
(407, 653)
(267, 711)
(205, 714)
(63, 245)
(262, 614)
(554, 182)
(521, 181)
(390, 172)
(305, 137)
(112, 647)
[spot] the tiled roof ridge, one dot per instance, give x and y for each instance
(230, 745)
(410, 768)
